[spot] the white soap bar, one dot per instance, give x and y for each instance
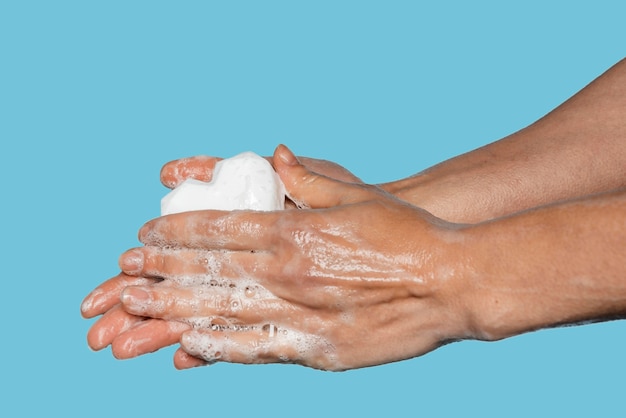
(245, 181)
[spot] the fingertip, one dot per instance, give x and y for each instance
(99, 336)
(144, 232)
(135, 300)
(121, 348)
(131, 262)
(95, 338)
(125, 345)
(200, 344)
(306, 188)
(285, 155)
(168, 174)
(105, 330)
(97, 302)
(149, 233)
(293, 174)
(86, 307)
(187, 339)
(183, 361)
(199, 167)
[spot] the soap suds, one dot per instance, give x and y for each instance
(244, 182)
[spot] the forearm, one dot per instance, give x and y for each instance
(556, 265)
(576, 150)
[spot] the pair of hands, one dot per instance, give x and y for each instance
(356, 278)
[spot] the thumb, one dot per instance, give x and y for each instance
(309, 189)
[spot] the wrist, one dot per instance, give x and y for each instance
(553, 266)
(429, 193)
(500, 302)
(460, 198)
(447, 280)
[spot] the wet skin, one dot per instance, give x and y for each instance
(398, 281)
(131, 335)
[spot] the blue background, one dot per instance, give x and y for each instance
(96, 96)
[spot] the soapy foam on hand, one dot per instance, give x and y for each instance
(245, 181)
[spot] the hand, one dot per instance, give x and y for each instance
(360, 279)
(130, 335)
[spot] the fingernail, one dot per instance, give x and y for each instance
(167, 173)
(287, 156)
(143, 233)
(131, 262)
(91, 304)
(199, 345)
(187, 340)
(134, 296)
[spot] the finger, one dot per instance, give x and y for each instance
(329, 169)
(147, 337)
(265, 344)
(107, 295)
(207, 307)
(191, 266)
(200, 168)
(215, 306)
(211, 229)
(158, 262)
(312, 190)
(182, 360)
(114, 322)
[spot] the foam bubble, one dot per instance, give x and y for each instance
(243, 182)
